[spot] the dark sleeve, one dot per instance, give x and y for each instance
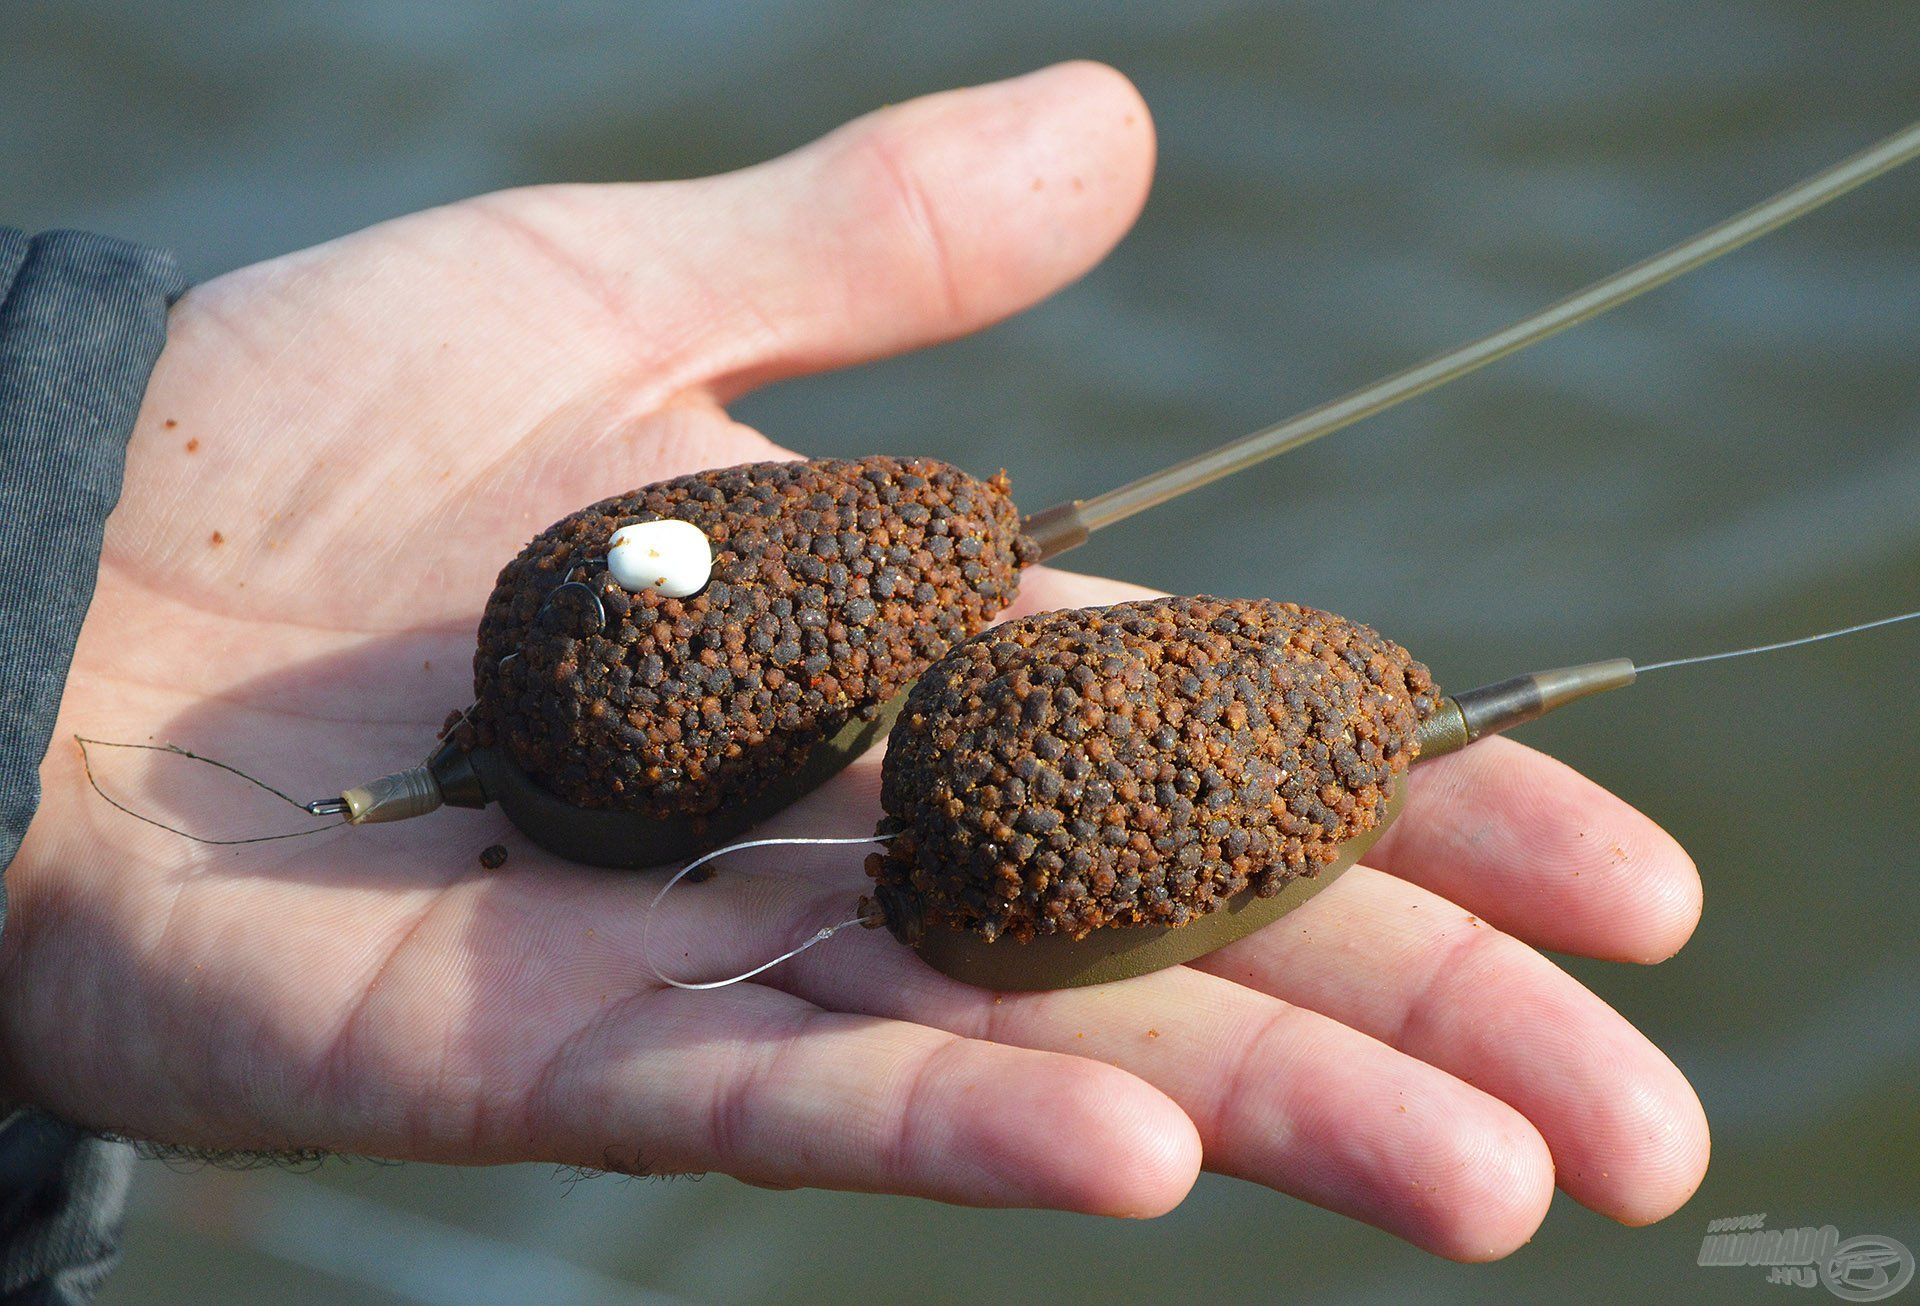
(82, 319)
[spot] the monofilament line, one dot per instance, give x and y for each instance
(1769, 648)
(820, 935)
(86, 763)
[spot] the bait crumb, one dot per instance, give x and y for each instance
(835, 583)
(1138, 765)
(1153, 1033)
(216, 539)
(193, 445)
(170, 423)
(494, 856)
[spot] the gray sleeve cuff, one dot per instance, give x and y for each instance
(82, 320)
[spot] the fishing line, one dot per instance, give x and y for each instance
(820, 935)
(86, 762)
(1769, 648)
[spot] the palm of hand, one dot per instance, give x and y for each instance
(339, 450)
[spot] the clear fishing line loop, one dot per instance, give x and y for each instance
(820, 935)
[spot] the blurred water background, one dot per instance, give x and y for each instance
(1342, 189)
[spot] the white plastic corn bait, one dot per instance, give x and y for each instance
(671, 557)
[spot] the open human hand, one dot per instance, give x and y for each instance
(338, 450)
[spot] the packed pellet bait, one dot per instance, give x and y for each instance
(834, 583)
(1138, 765)
(1082, 796)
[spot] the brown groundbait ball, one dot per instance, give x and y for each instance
(835, 583)
(1138, 764)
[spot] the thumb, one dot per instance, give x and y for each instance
(914, 224)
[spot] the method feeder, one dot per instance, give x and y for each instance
(627, 727)
(1089, 795)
